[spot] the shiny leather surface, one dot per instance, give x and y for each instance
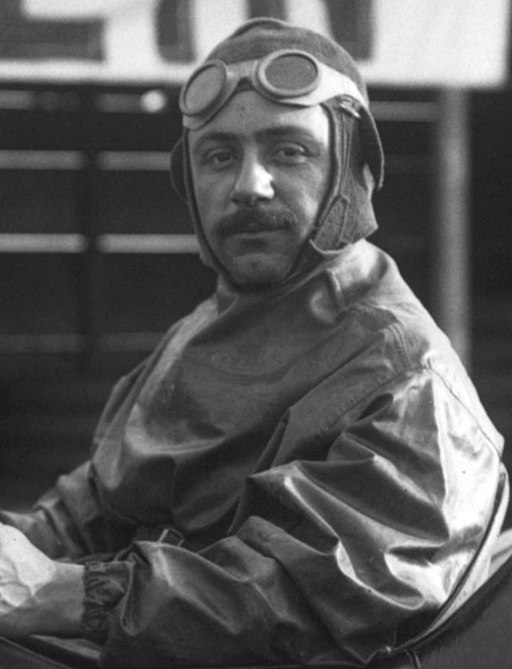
(321, 461)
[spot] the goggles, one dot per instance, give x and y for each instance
(287, 76)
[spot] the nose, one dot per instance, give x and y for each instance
(254, 182)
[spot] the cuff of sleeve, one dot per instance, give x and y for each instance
(105, 584)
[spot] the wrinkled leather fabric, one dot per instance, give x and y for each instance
(303, 475)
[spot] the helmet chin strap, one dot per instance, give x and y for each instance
(327, 234)
(347, 214)
(205, 253)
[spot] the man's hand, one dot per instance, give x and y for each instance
(37, 595)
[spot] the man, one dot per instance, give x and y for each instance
(302, 471)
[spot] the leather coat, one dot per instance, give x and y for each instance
(303, 475)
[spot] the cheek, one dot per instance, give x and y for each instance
(205, 203)
(202, 199)
(210, 195)
(322, 182)
(308, 192)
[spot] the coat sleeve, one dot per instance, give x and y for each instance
(340, 551)
(70, 520)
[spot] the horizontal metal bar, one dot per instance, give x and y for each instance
(152, 101)
(16, 99)
(39, 100)
(42, 243)
(147, 243)
(41, 160)
(157, 161)
(76, 243)
(425, 112)
(145, 102)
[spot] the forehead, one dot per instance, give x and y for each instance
(249, 115)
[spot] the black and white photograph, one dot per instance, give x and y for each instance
(255, 334)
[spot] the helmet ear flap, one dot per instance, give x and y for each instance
(177, 172)
(372, 146)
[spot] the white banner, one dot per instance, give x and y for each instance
(396, 42)
(440, 42)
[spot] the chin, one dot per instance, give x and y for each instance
(259, 278)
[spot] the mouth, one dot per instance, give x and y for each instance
(254, 240)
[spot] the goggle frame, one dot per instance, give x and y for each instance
(327, 83)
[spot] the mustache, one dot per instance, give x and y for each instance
(256, 220)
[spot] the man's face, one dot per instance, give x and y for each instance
(260, 172)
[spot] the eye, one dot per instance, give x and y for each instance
(290, 153)
(219, 158)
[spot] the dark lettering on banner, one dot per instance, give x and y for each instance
(25, 38)
(352, 25)
(174, 30)
(274, 8)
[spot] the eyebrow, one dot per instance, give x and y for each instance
(274, 132)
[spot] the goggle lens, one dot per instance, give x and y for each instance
(204, 90)
(290, 74)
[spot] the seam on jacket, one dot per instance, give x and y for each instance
(390, 323)
(394, 326)
(467, 408)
